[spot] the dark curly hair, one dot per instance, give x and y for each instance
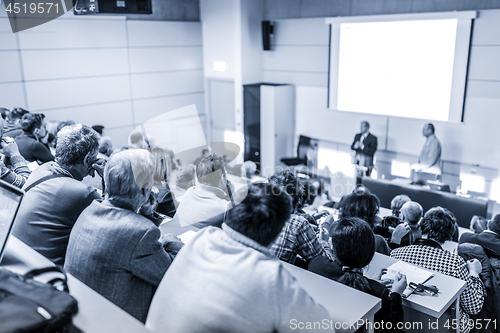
(291, 185)
(438, 224)
(360, 203)
(32, 121)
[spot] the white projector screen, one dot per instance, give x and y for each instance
(411, 66)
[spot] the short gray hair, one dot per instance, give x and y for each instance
(128, 172)
(412, 211)
(74, 143)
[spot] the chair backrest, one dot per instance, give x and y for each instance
(303, 146)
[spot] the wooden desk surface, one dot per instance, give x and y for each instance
(96, 314)
(449, 287)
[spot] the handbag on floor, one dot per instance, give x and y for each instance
(27, 305)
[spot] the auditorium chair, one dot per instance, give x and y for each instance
(306, 151)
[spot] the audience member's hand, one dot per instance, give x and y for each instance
(171, 244)
(45, 139)
(99, 165)
(323, 234)
(320, 214)
(328, 222)
(149, 206)
(475, 267)
(399, 232)
(477, 225)
(9, 147)
(399, 284)
(167, 238)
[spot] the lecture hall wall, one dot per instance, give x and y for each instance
(107, 70)
(300, 57)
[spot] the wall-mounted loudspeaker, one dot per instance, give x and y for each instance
(267, 31)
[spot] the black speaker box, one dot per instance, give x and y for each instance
(122, 6)
(267, 31)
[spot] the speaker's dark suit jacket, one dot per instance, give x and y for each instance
(488, 240)
(364, 156)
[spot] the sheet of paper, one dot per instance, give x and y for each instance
(32, 166)
(413, 273)
(187, 236)
(166, 220)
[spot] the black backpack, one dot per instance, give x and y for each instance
(27, 305)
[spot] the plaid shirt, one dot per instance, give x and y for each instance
(442, 261)
(298, 237)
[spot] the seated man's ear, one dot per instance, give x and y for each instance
(88, 160)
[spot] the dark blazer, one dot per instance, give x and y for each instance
(488, 240)
(49, 210)
(116, 252)
(365, 154)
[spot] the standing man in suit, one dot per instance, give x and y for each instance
(365, 145)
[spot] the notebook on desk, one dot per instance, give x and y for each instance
(10, 199)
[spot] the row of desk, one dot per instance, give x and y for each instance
(345, 305)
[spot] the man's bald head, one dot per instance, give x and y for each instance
(411, 212)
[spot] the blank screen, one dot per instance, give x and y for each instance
(408, 68)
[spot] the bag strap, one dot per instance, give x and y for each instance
(41, 180)
(39, 271)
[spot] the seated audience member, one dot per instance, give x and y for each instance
(164, 200)
(207, 202)
(437, 227)
(105, 147)
(408, 231)
(185, 179)
(227, 280)
(13, 167)
(12, 125)
(55, 195)
(3, 115)
(30, 142)
(365, 205)
(115, 250)
(489, 239)
(51, 127)
(63, 124)
(397, 202)
(98, 128)
(478, 224)
(354, 246)
(298, 236)
(310, 193)
(204, 153)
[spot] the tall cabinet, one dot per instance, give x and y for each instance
(269, 124)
